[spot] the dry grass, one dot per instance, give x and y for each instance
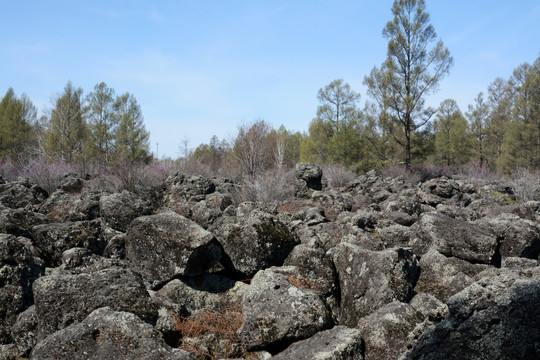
(222, 323)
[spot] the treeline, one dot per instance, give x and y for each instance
(90, 131)
(499, 132)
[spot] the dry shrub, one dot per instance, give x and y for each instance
(222, 323)
(338, 175)
(137, 176)
(8, 170)
(526, 185)
(272, 186)
(47, 173)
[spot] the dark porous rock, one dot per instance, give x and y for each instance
(371, 279)
(456, 238)
(333, 202)
(68, 296)
(395, 327)
(218, 201)
(208, 291)
(443, 276)
(62, 206)
(18, 271)
(75, 257)
(394, 236)
(51, 240)
(116, 247)
(166, 245)
(253, 242)
(107, 334)
(181, 187)
(338, 343)
(24, 332)
(518, 263)
(518, 237)
(497, 317)
(19, 194)
(315, 266)
(19, 222)
(71, 183)
(277, 313)
(311, 174)
(119, 209)
(204, 215)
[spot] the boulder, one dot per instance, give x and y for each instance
(443, 276)
(68, 296)
(208, 291)
(18, 271)
(333, 202)
(166, 245)
(19, 194)
(310, 174)
(253, 242)
(19, 222)
(518, 237)
(455, 238)
(371, 279)
(181, 188)
(24, 332)
(62, 206)
(51, 240)
(391, 329)
(338, 343)
(497, 317)
(119, 209)
(277, 313)
(107, 334)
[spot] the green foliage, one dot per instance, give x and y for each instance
(102, 120)
(411, 71)
(67, 131)
(451, 140)
(132, 141)
(17, 117)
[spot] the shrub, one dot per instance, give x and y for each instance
(46, 173)
(338, 175)
(222, 323)
(136, 176)
(272, 186)
(8, 170)
(526, 185)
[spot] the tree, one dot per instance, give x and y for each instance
(411, 71)
(17, 117)
(132, 141)
(252, 149)
(102, 121)
(500, 103)
(338, 104)
(478, 129)
(451, 145)
(67, 130)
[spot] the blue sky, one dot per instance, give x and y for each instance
(202, 68)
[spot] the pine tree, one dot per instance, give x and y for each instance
(17, 116)
(102, 121)
(410, 72)
(450, 127)
(131, 138)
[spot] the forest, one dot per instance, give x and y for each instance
(393, 130)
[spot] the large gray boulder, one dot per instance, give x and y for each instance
(63, 206)
(181, 188)
(310, 174)
(20, 194)
(18, 271)
(371, 279)
(391, 329)
(497, 317)
(518, 237)
(68, 296)
(443, 276)
(338, 343)
(51, 240)
(275, 312)
(119, 209)
(456, 238)
(208, 291)
(166, 245)
(254, 241)
(107, 334)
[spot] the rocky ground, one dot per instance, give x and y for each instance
(380, 269)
